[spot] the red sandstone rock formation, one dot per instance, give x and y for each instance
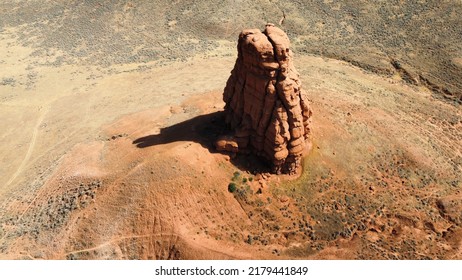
(265, 107)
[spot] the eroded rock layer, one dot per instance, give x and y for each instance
(265, 107)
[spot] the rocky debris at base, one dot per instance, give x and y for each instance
(266, 109)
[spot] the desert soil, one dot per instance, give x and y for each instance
(109, 111)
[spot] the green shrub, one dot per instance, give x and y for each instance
(236, 176)
(232, 187)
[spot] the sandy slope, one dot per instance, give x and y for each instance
(381, 161)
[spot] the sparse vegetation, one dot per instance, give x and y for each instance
(8, 82)
(236, 176)
(232, 187)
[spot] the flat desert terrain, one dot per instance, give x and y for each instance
(109, 110)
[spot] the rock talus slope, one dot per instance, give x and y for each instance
(266, 108)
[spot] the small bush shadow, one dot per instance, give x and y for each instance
(203, 129)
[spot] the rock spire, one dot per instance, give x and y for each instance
(266, 109)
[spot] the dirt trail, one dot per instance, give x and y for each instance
(30, 148)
